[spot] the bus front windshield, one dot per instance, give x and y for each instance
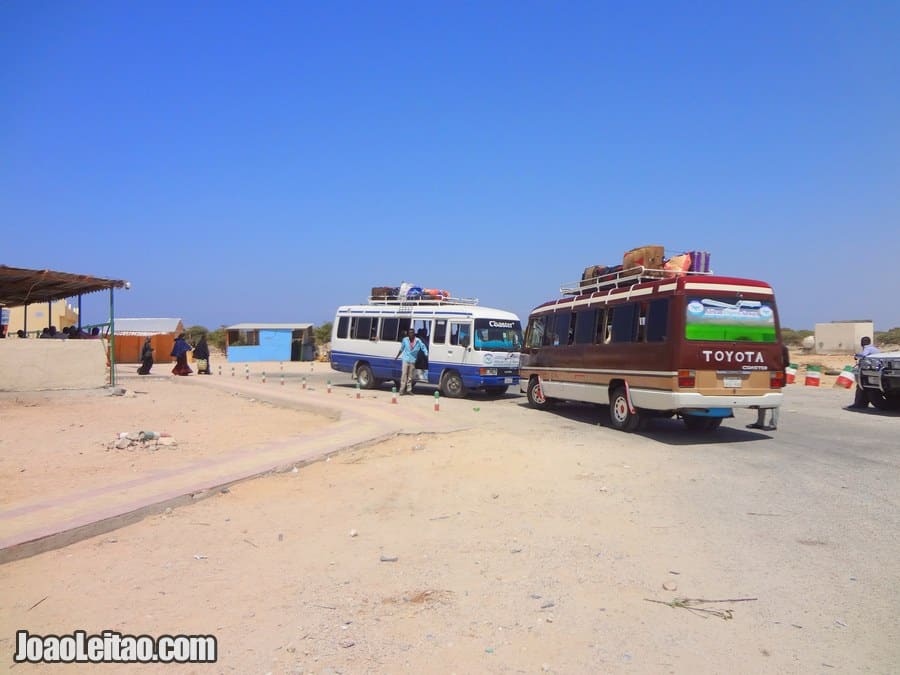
(496, 335)
(730, 319)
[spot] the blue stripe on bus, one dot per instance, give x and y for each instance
(385, 368)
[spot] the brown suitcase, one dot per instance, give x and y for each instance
(594, 271)
(649, 257)
(384, 292)
(591, 274)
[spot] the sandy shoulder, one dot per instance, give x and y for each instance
(64, 441)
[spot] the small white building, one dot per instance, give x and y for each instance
(842, 337)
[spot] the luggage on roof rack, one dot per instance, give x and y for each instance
(649, 257)
(385, 292)
(621, 277)
(423, 300)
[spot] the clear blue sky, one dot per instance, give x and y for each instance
(270, 161)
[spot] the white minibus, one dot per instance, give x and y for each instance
(470, 348)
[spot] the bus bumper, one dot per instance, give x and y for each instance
(670, 400)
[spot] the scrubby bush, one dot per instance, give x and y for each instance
(214, 338)
(793, 337)
(323, 333)
(887, 337)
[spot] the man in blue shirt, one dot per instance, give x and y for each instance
(861, 399)
(410, 346)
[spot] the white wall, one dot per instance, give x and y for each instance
(34, 365)
(842, 337)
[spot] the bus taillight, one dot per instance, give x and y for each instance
(776, 379)
(686, 379)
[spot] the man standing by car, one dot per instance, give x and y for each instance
(861, 399)
(410, 347)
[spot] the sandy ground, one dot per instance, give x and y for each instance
(524, 545)
(86, 424)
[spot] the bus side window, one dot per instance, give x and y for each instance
(389, 327)
(641, 321)
(459, 334)
(623, 322)
(657, 320)
(421, 328)
(373, 331)
(562, 325)
(343, 326)
(440, 331)
(585, 325)
(402, 328)
(360, 327)
(604, 326)
(548, 330)
(535, 337)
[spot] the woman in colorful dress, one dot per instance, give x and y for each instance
(180, 351)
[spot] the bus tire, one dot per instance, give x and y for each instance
(536, 398)
(452, 385)
(364, 376)
(620, 416)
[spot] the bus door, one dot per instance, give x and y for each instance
(459, 342)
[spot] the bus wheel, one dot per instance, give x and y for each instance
(452, 385)
(364, 376)
(536, 396)
(619, 414)
(698, 423)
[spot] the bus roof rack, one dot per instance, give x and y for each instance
(407, 302)
(629, 277)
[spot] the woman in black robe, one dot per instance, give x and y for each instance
(146, 358)
(201, 357)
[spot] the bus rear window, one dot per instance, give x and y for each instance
(729, 319)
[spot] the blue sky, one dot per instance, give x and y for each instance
(270, 161)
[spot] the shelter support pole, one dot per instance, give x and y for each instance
(79, 315)
(112, 340)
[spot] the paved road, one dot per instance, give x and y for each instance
(805, 518)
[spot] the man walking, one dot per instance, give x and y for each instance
(410, 347)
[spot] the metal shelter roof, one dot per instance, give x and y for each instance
(148, 326)
(20, 286)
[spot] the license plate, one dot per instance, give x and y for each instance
(732, 382)
(507, 380)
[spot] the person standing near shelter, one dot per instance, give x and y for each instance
(180, 351)
(146, 357)
(860, 398)
(201, 356)
(410, 347)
